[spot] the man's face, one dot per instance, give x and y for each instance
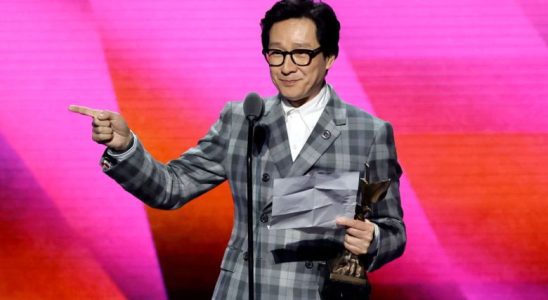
(298, 84)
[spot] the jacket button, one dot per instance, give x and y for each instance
(266, 177)
(246, 257)
(326, 134)
(264, 218)
(308, 264)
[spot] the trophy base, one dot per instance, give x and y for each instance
(347, 279)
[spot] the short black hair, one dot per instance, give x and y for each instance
(327, 25)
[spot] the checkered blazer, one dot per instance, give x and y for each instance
(289, 264)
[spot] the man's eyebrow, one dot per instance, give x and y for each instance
(274, 45)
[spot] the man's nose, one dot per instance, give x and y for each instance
(288, 66)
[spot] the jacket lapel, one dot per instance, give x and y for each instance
(278, 143)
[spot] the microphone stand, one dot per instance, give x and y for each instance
(253, 110)
(250, 259)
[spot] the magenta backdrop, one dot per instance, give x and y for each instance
(465, 84)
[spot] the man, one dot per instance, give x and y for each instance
(307, 129)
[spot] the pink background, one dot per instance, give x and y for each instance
(465, 84)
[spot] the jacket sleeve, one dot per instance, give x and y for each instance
(169, 186)
(388, 213)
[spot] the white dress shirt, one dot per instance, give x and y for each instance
(300, 121)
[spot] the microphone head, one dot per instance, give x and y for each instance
(253, 107)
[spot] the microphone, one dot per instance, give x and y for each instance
(253, 110)
(253, 107)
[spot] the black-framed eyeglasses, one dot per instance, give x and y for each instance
(300, 57)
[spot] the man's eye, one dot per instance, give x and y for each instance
(300, 53)
(274, 53)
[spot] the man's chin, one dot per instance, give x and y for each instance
(295, 100)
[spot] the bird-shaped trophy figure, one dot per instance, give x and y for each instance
(347, 267)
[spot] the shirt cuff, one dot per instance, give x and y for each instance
(120, 156)
(374, 247)
(375, 242)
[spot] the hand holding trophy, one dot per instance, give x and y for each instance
(347, 267)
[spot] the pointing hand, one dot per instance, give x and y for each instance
(109, 128)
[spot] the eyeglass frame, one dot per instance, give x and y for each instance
(311, 54)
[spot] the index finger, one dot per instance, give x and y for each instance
(86, 111)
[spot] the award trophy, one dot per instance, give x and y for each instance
(347, 267)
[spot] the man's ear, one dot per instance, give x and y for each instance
(329, 61)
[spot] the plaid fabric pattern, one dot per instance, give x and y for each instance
(289, 264)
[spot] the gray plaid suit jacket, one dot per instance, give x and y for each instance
(290, 264)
